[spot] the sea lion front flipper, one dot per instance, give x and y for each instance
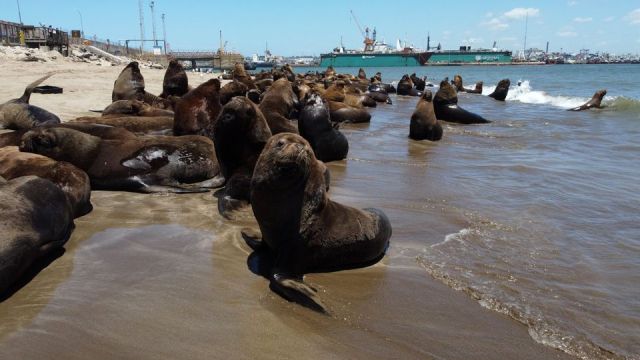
(294, 289)
(213, 183)
(227, 205)
(253, 241)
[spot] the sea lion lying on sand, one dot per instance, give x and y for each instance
(302, 229)
(18, 114)
(104, 132)
(445, 105)
(280, 104)
(595, 101)
(142, 125)
(130, 86)
(341, 112)
(134, 108)
(37, 221)
(71, 180)
(424, 125)
(145, 164)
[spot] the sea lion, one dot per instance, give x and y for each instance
(18, 114)
(382, 87)
(176, 82)
(361, 74)
(457, 84)
(328, 144)
(335, 92)
(145, 164)
(263, 84)
(143, 125)
(595, 101)
(445, 105)
(341, 112)
(304, 230)
(239, 136)
(382, 97)
(289, 73)
(71, 180)
(278, 105)
(105, 132)
(36, 221)
(134, 108)
(130, 86)
(330, 72)
(424, 125)
(501, 91)
(405, 87)
(232, 89)
(240, 74)
(198, 109)
(418, 82)
(477, 89)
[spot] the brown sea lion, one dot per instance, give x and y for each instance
(278, 105)
(327, 142)
(239, 136)
(330, 72)
(134, 108)
(405, 87)
(501, 91)
(361, 74)
(232, 89)
(263, 84)
(198, 109)
(341, 112)
(302, 229)
(130, 86)
(445, 105)
(37, 220)
(457, 84)
(176, 82)
(71, 180)
(144, 164)
(595, 101)
(424, 125)
(105, 132)
(477, 89)
(419, 83)
(240, 74)
(18, 114)
(136, 124)
(335, 92)
(289, 73)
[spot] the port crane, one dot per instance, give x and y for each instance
(368, 42)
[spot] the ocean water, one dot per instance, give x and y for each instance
(546, 201)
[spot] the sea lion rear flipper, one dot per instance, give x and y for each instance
(297, 291)
(29, 89)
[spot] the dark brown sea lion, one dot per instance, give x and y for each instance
(176, 82)
(595, 101)
(302, 229)
(361, 74)
(328, 143)
(477, 89)
(419, 83)
(37, 220)
(289, 73)
(405, 87)
(130, 86)
(445, 105)
(136, 124)
(424, 125)
(71, 180)
(134, 108)
(145, 164)
(278, 105)
(501, 91)
(240, 74)
(239, 136)
(18, 114)
(104, 132)
(382, 97)
(457, 84)
(263, 84)
(232, 89)
(198, 109)
(341, 112)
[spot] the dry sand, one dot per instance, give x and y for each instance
(163, 276)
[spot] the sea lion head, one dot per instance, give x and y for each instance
(288, 157)
(130, 84)
(504, 84)
(600, 94)
(457, 82)
(447, 94)
(427, 96)
(61, 144)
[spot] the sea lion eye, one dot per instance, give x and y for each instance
(280, 143)
(45, 141)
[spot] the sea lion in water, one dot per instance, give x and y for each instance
(198, 109)
(145, 164)
(459, 86)
(134, 108)
(18, 114)
(328, 144)
(501, 91)
(278, 105)
(175, 82)
(71, 180)
(418, 82)
(424, 125)
(405, 87)
(239, 137)
(477, 89)
(104, 132)
(445, 105)
(37, 220)
(595, 101)
(302, 229)
(130, 86)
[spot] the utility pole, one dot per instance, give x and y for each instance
(141, 15)
(164, 35)
(19, 14)
(152, 5)
(81, 25)
(526, 24)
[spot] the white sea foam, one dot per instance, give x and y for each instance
(525, 94)
(455, 236)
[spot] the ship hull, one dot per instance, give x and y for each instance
(415, 59)
(469, 57)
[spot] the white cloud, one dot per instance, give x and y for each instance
(488, 15)
(520, 13)
(572, 3)
(582, 19)
(495, 24)
(609, 18)
(633, 17)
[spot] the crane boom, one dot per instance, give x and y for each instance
(357, 23)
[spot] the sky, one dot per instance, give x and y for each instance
(314, 27)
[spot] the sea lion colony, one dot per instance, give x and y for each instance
(262, 138)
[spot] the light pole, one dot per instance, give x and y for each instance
(19, 15)
(81, 25)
